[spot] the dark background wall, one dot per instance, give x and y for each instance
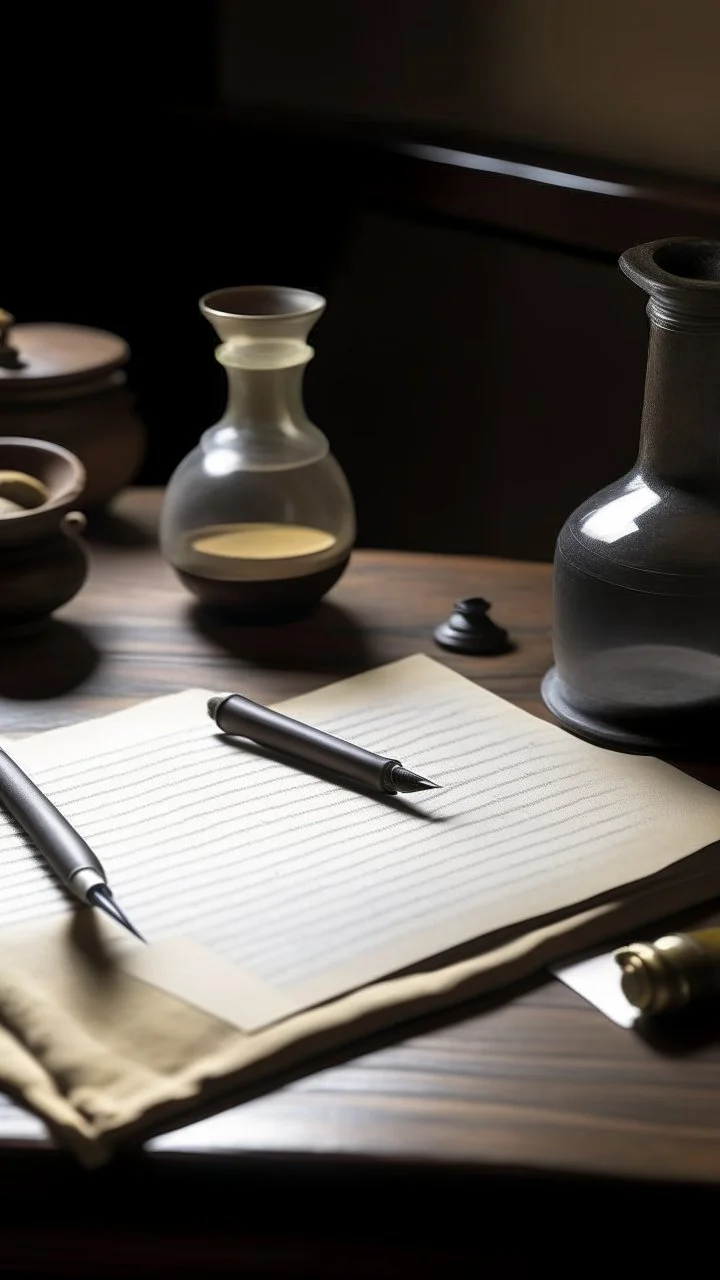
(480, 366)
(633, 81)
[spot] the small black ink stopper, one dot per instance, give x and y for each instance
(470, 630)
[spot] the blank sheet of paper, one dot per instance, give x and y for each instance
(19, 1125)
(308, 888)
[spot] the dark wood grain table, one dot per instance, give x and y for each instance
(426, 1152)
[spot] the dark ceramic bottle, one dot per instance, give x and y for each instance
(637, 566)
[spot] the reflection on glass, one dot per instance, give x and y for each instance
(220, 462)
(618, 518)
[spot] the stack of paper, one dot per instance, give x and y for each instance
(265, 889)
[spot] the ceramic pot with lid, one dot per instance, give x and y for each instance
(66, 383)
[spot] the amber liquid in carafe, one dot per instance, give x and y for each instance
(259, 567)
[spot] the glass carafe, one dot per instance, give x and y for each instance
(258, 519)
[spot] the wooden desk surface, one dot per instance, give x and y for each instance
(542, 1085)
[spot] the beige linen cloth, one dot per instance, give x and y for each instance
(106, 1059)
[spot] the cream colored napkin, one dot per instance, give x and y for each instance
(104, 1058)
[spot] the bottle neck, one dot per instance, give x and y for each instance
(680, 433)
(265, 423)
(266, 399)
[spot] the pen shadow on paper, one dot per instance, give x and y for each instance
(46, 663)
(398, 802)
(327, 640)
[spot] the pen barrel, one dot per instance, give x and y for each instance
(241, 717)
(64, 850)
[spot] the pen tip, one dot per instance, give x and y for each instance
(406, 781)
(100, 896)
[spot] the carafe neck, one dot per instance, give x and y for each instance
(265, 399)
(265, 416)
(680, 432)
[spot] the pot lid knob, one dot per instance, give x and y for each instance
(9, 356)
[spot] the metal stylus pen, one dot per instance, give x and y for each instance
(72, 860)
(237, 715)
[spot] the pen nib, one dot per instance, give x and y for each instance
(403, 780)
(100, 896)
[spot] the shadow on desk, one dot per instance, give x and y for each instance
(327, 640)
(680, 1034)
(46, 663)
(110, 529)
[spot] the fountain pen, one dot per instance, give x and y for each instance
(237, 715)
(64, 850)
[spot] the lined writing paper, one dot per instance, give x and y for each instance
(312, 888)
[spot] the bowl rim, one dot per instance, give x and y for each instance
(47, 447)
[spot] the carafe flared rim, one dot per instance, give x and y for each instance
(262, 302)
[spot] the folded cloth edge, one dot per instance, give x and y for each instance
(138, 1104)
